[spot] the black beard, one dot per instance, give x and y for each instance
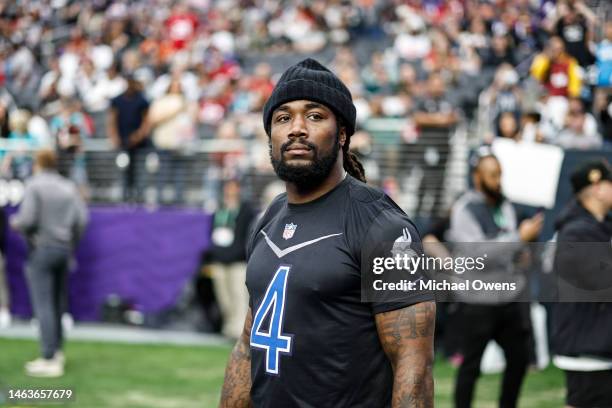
(496, 196)
(308, 176)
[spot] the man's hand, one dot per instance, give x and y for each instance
(530, 228)
(236, 392)
(407, 338)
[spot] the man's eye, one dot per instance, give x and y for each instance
(282, 119)
(315, 116)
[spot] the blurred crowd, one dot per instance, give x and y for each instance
(163, 75)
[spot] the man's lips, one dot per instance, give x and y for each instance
(298, 150)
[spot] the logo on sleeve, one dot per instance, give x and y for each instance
(289, 230)
(401, 245)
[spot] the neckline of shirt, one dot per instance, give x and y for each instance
(317, 201)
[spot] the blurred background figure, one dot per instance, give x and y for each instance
(480, 220)
(70, 128)
(580, 129)
(172, 121)
(227, 257)
(560, 75)
(128, 133)
(52, 217)
(582, 332)
(435, 118)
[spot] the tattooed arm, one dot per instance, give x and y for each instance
(236, 391)
(407, 338)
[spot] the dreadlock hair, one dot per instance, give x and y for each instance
(351, 163)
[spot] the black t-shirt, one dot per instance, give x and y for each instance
(574, 36)
(314, 343)
(130, 113)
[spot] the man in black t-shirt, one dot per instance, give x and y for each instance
(128, 131)
(573, 28)
(309, 340)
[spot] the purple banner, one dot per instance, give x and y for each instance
(145, 257)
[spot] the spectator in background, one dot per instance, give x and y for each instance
(572, 26)
(70, 127)
(52, 217)
(527, 35)
(500, 52)
(181, 26)
(7, 104)
(413, 42)
(435, 117)
(560, 76)
(582, 332)
(230, 230)
(508, 127)
(96, 90)
(17, 162)
(580, 130)
(485, 216)
(127, 131)
(602, 106)
(603, 109)
(172, 121)
(603, 58)
(504, 95)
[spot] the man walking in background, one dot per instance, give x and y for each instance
(52, 217)
(484, 218)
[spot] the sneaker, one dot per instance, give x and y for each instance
(5, 318)
(44, 368)
(34, 363)
(60, 357)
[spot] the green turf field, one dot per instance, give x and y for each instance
(149, 376)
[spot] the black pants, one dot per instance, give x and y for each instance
(589, 389)
(509, 325)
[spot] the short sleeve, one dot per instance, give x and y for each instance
(391, 275)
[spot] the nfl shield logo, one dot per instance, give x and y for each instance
(289, 230)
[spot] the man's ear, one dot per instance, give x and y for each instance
(342, 136)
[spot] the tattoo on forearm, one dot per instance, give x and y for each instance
(236, 390)
(407, 337)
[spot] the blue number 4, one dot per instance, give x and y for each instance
(273, 341)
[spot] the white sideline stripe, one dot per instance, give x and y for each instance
(109, 333)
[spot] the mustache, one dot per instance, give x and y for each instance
(285, 146)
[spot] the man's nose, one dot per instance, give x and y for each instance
(298, 127)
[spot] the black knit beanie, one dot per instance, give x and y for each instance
(311, 81)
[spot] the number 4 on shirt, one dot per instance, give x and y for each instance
(273, 304)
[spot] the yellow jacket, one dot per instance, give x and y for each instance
(540, 66)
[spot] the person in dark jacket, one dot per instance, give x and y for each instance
(582, 332)
(227, 255)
